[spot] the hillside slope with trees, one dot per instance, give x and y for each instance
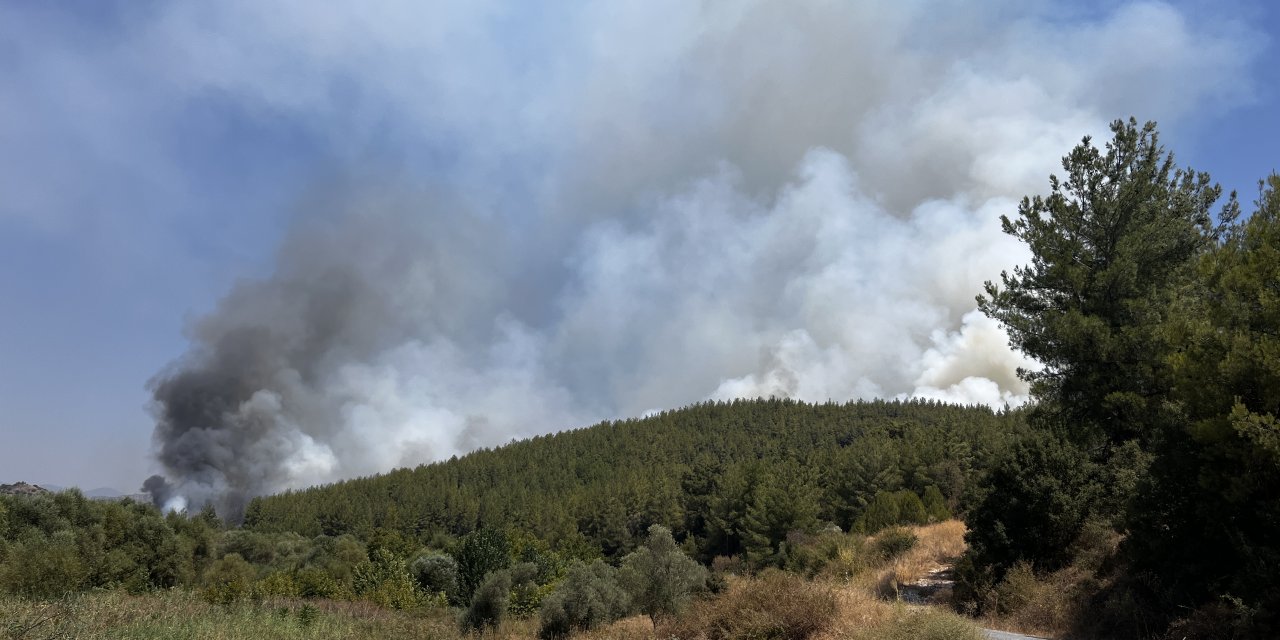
(726, 478)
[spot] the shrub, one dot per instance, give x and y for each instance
(851, 557)
(228, 580)
(806, 554)
(316, 583)
(910, 509)
(1041, 494)
(276, 585)
(307, 615)
(488, 603)
(336, 556)
(526, 593)
(436, 573)
(482, 552)
(397, 593)
(659, 577)
(776, 606)
(728, 565)
(384, 580)
(256, 548)
(883, 511)
(921, 624)
(44, 567)
(892, 543)
(935, 506)
(589, 597)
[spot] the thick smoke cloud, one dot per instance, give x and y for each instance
(631, 208)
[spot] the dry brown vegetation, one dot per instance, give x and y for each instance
(777, 605)
(844, 602)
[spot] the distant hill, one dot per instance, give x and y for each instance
(722, 474)
(101, 493)
(22, 489)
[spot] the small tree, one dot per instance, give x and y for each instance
(488, 603)
(660, 577)
(910, 509)
(590, 596)
(384, 580)
(437, 573)
(884, 511)
(228, 579)
(483, 551)
(1041, 494)
(935, 506)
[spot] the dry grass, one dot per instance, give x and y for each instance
(939, 545)
(777, 606)
(1040, 605)
(842, 604)
(633, 628)
(180, 614)
(865, 614)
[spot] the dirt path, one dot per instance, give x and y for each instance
(935, 587)
(1005, 635)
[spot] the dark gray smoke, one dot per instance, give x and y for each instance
(636, 207)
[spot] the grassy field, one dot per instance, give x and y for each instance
(181, 614)
(778, 605)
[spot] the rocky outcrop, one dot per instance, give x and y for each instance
(22, 489)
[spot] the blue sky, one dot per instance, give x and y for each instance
(154, 154)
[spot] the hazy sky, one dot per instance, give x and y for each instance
(540, 193)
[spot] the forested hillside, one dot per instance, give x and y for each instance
(727, 477)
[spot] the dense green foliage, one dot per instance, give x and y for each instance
(62, 543)
(660, 578)
(726, 478)
(587, 598)
(1217, 473)
(488, 603)
(757, 483)
(1156, 410)
(1112, 243)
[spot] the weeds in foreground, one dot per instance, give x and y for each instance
(181, 614)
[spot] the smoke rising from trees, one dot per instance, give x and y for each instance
(631, 208)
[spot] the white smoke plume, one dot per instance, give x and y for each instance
(634, 206)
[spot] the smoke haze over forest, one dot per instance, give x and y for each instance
(532, 221)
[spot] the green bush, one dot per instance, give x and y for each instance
(526, 593)
(336, 556)
(1041, 494)
(256, 548)
(588, 597)
(316, 583)
(935, 506)
(482, 552)
(384, 580)
(660, 577)
(228, 580)
(43, 567)
(488, 603)
(275, 585)
(910, 509)
(436, 573)
(892, 543)
(921, 624)
(884, 511)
